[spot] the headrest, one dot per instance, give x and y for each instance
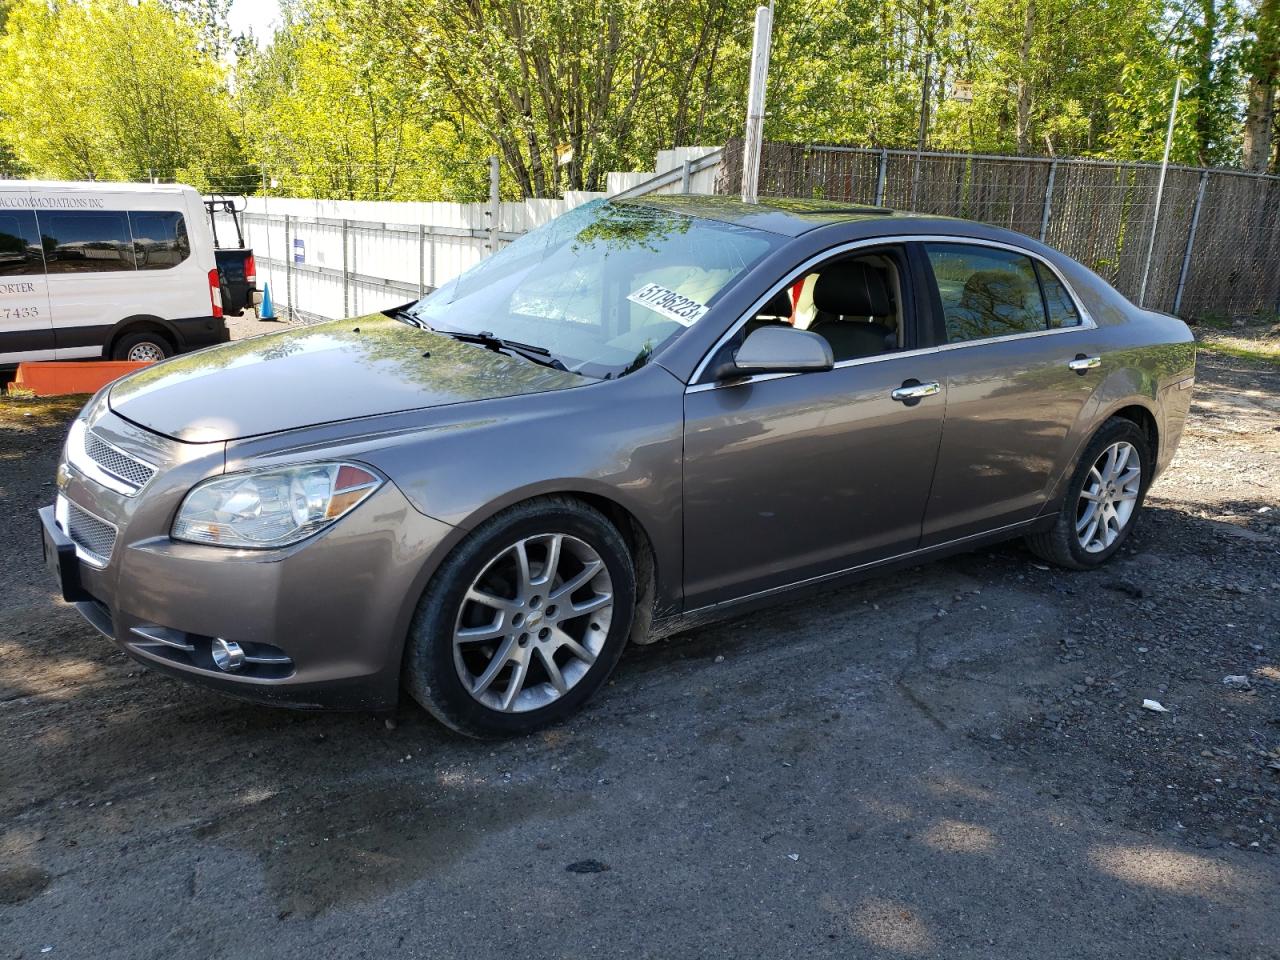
(853, 288)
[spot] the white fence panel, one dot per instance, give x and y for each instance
(329, 259)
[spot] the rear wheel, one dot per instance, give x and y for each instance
(524, 621)
(142, 345)
(1102, 501)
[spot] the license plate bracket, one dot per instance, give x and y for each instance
(60, 558)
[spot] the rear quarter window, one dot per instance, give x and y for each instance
(159, 239)
(1059, 306)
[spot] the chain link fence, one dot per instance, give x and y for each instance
(1215, 251)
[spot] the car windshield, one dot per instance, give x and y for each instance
(602, 287)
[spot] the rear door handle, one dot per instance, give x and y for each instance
(913, 391)
(1082, 363)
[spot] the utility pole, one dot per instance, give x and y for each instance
(1164, 169)
(755, 103)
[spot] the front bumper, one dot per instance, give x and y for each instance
(322, 622)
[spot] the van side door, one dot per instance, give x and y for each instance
(26, 330)
(90, 262)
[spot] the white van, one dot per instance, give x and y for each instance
(121, 271)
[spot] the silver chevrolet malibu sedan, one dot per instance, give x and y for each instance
(637, 418)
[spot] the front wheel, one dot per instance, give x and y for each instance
(1102, 500)
(523, 621)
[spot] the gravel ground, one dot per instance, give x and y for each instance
(952, 760)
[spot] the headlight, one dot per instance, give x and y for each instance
(272, 508)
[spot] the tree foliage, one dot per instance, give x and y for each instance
(404, 99)
(113, 89)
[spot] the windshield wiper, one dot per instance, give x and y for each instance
(405, 314)
(526, 351)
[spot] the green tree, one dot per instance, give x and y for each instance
(113, 89)
(335, 113)
(1260, 55)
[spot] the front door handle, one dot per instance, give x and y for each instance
(913, 391)
(1082, 363)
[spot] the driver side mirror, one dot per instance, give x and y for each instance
(778, 349)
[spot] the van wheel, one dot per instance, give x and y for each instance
(523, 621)
(142, 346)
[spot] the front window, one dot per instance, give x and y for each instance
(601, 287)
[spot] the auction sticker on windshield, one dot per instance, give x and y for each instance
(672, 305)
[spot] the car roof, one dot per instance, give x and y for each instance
(788, 216)
(89, 186)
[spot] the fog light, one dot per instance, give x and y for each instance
(227, 655)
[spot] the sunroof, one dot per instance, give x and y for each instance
(860, 210)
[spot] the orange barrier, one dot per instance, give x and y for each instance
(52, 378)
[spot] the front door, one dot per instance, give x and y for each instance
(26, 330)
(792, 477)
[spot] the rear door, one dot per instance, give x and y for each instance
(1010, 330)
(26, 331)
(797, 476)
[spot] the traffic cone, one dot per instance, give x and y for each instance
(266, 309)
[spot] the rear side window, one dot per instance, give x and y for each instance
(985, 292)
(20, 253)
(86, 241)
(159, 239)
(1059, 306)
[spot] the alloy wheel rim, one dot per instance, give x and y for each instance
(533, 622)
(145, 351)
(1109, 497)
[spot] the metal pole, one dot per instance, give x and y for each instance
(346, 270)
(924, 129)
(754, 133)
(422, 260)
(288, 269)
(431, 255)
(1191, 240)
(880, 176)
(1164, 168)
(1048, 202)
(266, 222)
(495, 203)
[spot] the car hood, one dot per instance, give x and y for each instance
(335, 371)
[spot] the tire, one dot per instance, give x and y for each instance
(447, 674)
(143, 345)
(1063, 544)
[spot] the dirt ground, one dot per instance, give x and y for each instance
(953, 760)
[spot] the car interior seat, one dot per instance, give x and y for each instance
(852, 299)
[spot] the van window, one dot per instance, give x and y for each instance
(159, 239)
(84, 241)
(20, 253)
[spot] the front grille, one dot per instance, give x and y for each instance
(120, 465)
(95, 537)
